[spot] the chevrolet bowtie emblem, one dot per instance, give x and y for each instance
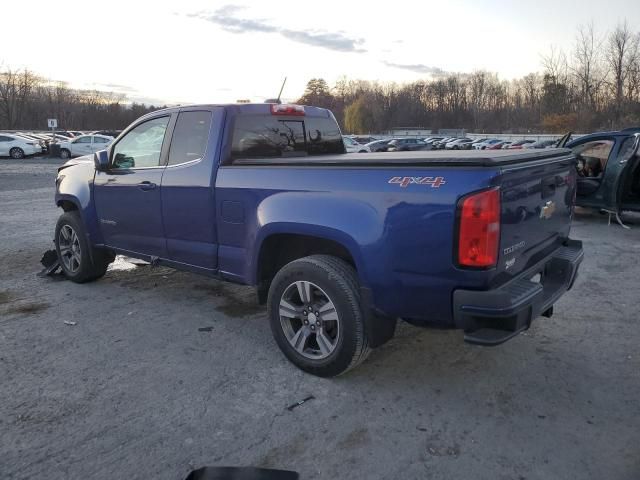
(547, 210)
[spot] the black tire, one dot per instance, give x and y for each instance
(339, 281)
(16, 153)
(65, 154)
(93, 262)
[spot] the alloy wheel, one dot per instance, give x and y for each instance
(70, 252)
(309, 320)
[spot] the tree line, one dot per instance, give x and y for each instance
(28, 100)
(593, 86)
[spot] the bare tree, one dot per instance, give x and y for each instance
(587, 66)
(621, 53)
(555, 65)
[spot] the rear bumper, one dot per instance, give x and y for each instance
(491, 317)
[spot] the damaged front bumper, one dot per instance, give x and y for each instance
(491, 317)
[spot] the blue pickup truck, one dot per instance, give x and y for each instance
(338, 245)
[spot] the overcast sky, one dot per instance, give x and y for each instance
(219, 51)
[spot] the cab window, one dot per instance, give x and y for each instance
(267, 136)
(190, 137)
(141, 147)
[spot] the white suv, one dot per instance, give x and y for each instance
(84, 145)
(17, 147)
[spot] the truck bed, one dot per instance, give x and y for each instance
(439, 158)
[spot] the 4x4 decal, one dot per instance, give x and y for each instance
(433, 182)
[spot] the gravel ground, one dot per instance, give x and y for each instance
(135, 390)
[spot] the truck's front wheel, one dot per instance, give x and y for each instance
(316, 317)
(80, 262)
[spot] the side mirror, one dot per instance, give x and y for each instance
(101, 160)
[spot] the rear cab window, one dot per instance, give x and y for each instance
(259, 136)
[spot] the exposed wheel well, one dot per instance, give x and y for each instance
(278, 250)
(67, 205)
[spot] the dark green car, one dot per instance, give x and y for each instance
(608, 170)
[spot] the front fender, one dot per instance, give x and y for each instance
(75, 184)
(346, 220)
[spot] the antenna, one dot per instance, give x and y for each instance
(281, 88)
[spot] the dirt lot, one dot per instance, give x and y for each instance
(136, 390)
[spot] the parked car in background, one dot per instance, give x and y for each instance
(406, 145)
(107, 133)
(458, 144)
(477, 141)
(543, 144)
(57, 138)
(520, 144)
(84, 145)
(378, 145)
(354, 147)
(34, 138)
(440, 144)
(500, 145)
(364, 139)
(17, 147)
(64, 133)
(432, 140)
(487, 143)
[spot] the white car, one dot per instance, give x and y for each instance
(354, 147)
(458, 144)
(17, 147)
(84, 145)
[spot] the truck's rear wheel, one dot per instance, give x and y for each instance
(79, 261)
(316, 317)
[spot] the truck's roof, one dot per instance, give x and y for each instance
(245, 109)
(416, 158)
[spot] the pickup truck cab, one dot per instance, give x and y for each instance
(338, 245)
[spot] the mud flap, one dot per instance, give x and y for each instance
(379, 329)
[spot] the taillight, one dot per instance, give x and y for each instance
(287, 109)
(479, 229)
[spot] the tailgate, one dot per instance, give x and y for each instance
(537, 207)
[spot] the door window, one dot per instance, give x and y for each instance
(592, 157)
(83, 140)
(189, 137)
(100, 140)
(141, 147)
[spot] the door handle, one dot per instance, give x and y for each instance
(146, 185)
